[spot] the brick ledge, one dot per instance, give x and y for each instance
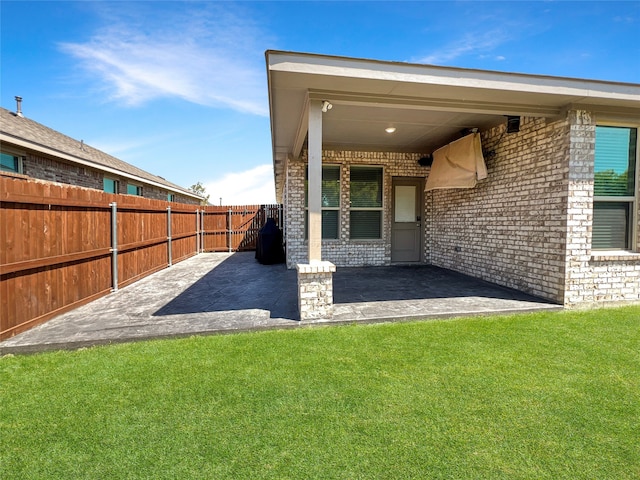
(615, 256)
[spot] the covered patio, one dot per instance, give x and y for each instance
(219, 293)
(486, 173)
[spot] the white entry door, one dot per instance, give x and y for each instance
(406, 228)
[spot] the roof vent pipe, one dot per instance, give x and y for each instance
(19, 106)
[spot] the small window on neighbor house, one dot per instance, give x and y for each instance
(171, 197)
(10, 163)
(366, 203)
(614, 202)
(330, 202)
(110, 185)
(133, 189)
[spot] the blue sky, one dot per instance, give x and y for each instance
(179, 88)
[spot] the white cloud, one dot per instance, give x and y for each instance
(124, 146)
(251, 187)
(471, 43)
(203, 54)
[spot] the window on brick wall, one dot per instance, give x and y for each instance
(366, 202)
(110, 185)
(330, 202)
(171, 197)
(614, 202)
(10, 163)
(133, 189)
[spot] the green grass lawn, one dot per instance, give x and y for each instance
(548, 395)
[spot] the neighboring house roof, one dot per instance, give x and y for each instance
(28, 134)
(429, 105)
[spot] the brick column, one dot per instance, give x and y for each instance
(579, 288)
(315, 290)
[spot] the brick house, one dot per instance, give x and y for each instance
(355, 142)
(32, 149)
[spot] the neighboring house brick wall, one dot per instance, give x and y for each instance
(511, 228)
(52, 170)
(49, 169)
(592, 276)
(184, 199)
(345, 252)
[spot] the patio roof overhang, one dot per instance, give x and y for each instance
(428, 105)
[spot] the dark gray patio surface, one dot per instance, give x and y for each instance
(223, 293)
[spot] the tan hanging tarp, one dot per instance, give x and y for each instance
(457, 165)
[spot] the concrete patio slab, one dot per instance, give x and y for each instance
(225, 293)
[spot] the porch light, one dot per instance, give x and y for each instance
(326, 106)
(390, 129)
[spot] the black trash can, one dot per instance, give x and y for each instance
(269, 249)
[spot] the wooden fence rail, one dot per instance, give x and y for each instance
(63, 246)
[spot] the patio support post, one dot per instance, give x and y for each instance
(315, 181)
(315, 279)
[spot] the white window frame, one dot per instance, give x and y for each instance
(632, 200)
(362, 209)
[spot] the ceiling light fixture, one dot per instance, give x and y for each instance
(326, 106)
(390, 129)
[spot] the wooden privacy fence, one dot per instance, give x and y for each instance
(235, 229)
(63, 246)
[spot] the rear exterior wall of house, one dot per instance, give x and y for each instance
(595, 276)
(511, 228)
(528, 226)
(344, 251)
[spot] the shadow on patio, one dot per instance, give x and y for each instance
(241, 283)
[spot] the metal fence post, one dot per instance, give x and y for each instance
(114, 246)
(197, 231)
(169, 236)
(230, 231)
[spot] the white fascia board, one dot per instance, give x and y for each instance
(80, 161)
(357, 69)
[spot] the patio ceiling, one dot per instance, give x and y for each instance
(428, 105)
